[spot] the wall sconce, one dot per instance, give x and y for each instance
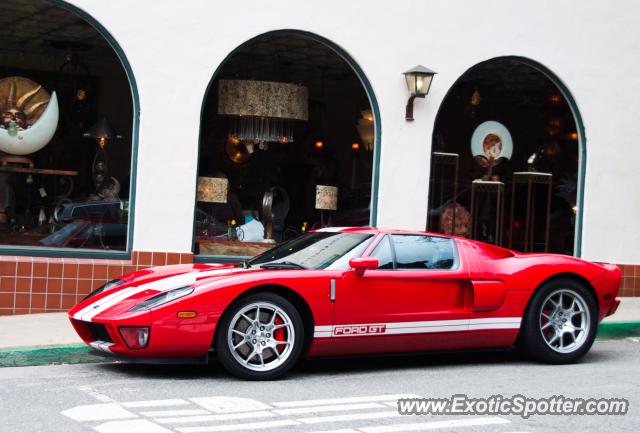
(418, 82)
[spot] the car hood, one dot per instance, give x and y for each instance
(146, 283)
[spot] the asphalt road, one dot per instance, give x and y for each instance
(345, 395)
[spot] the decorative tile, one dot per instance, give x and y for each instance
(68, 301)
(55, 269)
(38, 301)
(39, 285)
(144, 258)
(85, 287)
(25, 268)
(54, 285)
(85, 270)
(100, 272)
(7, 284)
(173, 258)
(53, 302)
(158, 259)
(6, 300)
(69, 286)
(40, 269)
(70, 270)
(8, 269)
(23, 300)
(23, 284)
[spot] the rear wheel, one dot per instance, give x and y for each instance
(560, 324)
(260, 337)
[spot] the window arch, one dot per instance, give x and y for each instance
(74, 195)
(525, 188)
(290, 134)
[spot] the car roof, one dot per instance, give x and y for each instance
(375, 230)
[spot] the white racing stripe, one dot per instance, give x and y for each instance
(432, 425)
(162, 285)
(104, 304)
(395, 328)
(88, 308)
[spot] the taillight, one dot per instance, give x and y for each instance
(136, 337)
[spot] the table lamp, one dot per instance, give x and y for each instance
(326, 199)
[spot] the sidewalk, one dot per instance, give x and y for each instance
(50, 337)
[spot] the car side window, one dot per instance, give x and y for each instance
(384, 254)
(424, 252)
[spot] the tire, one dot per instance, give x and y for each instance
(264, 349)
(557, 335)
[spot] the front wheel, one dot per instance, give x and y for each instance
(260, 337)
(560, 324)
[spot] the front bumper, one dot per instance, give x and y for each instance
(179, 342)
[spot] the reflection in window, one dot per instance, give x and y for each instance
(66, 116)
(317, 250)
(384, 254)
(423, 252)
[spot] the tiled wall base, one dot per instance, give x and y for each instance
(41, 284)
(630, 280)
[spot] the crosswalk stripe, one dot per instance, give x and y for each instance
(433, 425)
(343, 400)
(207, 418)
(155, 403)
(172, 413)
(349, 417)
(329, 408)
(233, 427)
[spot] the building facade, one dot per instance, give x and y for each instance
(560, 78)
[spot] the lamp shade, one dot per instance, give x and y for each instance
(326, 197)
(263, 99)
(419, 80)
(212, 189)
(102, 129)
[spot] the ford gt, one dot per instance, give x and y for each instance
(352, 291)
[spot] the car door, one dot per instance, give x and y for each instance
(420, 292)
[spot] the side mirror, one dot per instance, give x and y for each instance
(362, 264)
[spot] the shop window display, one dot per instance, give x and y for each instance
(505, 160)
(286, 146)
(65, 132)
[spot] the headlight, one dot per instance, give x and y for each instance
(106, 286)
(162, 298)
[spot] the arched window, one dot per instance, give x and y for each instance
(287, 143)
(66, 132)
(506, 162)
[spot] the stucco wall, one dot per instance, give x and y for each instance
(592, 46)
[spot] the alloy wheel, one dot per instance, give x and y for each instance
(261, 336)
(564, 321)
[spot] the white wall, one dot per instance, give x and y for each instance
(593, 46)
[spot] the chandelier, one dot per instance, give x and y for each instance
(262, 111)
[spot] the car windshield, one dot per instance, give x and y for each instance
(317, 250)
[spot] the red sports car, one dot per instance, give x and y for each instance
(349, 291)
